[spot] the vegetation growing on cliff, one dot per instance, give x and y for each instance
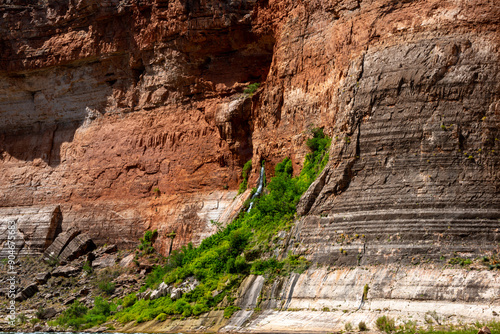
(243, 247)
(244, 174)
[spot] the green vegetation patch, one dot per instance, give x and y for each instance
(78, 316)
(244, 174)
(252, 88)
(245, 246)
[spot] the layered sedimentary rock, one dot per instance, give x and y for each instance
(132, 116)
(118, 112)
(29, 229)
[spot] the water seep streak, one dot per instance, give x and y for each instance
(259, 188)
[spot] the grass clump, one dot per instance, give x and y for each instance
(385, 324)
(348, 326)
(230, 310)
(460, 261)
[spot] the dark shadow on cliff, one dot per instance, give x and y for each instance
(38, 142)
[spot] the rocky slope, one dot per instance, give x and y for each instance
(132, 115)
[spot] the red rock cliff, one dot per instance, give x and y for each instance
(103, 103)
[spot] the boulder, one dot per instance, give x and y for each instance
(27, 292)
(484, 330)
(145, 267)
(69, 300)
(104, 261)
(47, 313)
(162, 290)
(144, 295)
(80, 245)
(42, 278)
(109, 249)
(66, 271)
(127, 260)
(62, 240)
(176, 294)
(84, 291)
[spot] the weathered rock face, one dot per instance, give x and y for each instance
(323, 299)
(70, 83)
(132, 116)
(30, 229)
(63, 239)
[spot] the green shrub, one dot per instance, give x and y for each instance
(87, 268)
(229, 311)
(252, 88)
(73, 316)
(146, 242)
(200, 308)
(460, 261)
(106, 287)
(161, 317)
(244, 174)
(385, 324)
(129, 300)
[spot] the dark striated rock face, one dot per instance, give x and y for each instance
(417, 169)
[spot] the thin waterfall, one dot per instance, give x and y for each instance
(259, 188)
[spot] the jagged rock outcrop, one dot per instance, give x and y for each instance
(66, 271)
(80, 245)
(32, 229)
(61, 241)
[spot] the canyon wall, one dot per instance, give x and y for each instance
(128, 115)
(132, 115)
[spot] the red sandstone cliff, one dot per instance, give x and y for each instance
(102, 103)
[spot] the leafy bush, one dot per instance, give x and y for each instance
(200, 308)
(252, 88)
(161, 317)
(129, 300)
(73, 316)
(385, 324)
(146, 243)
(106, 287)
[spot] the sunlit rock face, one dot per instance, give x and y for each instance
(132, 115)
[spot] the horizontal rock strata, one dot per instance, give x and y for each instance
(32, 229)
